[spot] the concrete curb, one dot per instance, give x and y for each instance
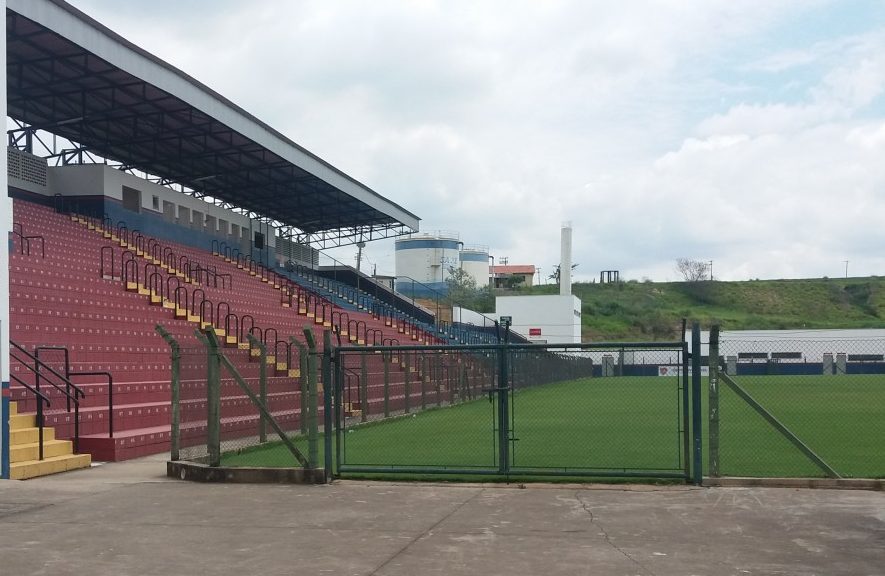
(202, 473)
(827, 483)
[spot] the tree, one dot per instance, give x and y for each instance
(692, 270)
(464, 292)
(460, 283)
(555, 275)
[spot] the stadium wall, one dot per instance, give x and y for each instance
(160, 211)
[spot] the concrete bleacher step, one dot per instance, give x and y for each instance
(53, 465)
(64, 300)
(24, 449)
(127, 444)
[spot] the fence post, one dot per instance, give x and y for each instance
(386, 362)
(424, 379)
(697, 467)
(175, 433)
(262, 385)
(713, 402)
(302, 368)
(686, 407)
(364, 388)
(312, 426)
(213, 398)
(328, 389)
(408, 383)
(438, 382)
(503, 412)
(461, 378)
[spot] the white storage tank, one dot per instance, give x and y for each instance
(475, 262)
(427, 258)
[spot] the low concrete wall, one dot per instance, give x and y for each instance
(832, 483)
(203, 473)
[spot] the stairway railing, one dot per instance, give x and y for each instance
(39, 368)
(41, 399)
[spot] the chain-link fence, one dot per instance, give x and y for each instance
(247, 435)
(513, 410)
(244, 405)
(191, 429)
(798, 407)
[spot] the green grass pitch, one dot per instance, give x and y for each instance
(628, 423)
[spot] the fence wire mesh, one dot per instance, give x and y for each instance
(829, 393)
(515, 410)
(247, 437)
(192, 404)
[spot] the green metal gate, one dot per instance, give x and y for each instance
(601, 410)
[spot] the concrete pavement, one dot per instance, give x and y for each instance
(128, 518)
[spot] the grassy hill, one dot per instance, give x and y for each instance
(654, 311)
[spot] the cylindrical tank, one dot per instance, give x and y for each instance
(427, 258)
(475, 262)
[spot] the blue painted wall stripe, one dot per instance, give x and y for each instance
(4, 417)
(473, 257)
(414, 244)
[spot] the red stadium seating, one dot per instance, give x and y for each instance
(64, 300)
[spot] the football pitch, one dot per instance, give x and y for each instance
(628, 424)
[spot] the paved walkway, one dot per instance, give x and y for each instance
(127, 518)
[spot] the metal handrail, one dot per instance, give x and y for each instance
(67, 374)
(42, 240)
(110, 396)
(66, 389)
(348, 374)
(41, 399)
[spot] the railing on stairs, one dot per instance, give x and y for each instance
(41, 400)
(24, 244)
(39, 368)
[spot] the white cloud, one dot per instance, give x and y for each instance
(646, 127)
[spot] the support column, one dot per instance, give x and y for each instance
(5, 228)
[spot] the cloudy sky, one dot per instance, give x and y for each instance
(748, 133)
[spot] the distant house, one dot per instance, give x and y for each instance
(513, 276)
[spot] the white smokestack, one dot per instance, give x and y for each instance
(565, 264)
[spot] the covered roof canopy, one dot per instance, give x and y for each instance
(69, 75)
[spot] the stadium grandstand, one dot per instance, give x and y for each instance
(139, 196)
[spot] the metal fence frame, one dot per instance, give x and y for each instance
(725, 375)
(334, 371)
(217, 364)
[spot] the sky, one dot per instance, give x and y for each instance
(748, 134)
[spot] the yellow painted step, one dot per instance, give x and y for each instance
(13, 408)
(19, 421)
(30, 435)
(52, 448)
(54, 465)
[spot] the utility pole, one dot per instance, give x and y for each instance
(359, 254)
(711, 270)
(846, 268)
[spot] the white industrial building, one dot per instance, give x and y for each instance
(424, 262)
(475, 262)
(550, 319)
(429, 257)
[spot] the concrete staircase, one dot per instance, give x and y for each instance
(24, 447)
